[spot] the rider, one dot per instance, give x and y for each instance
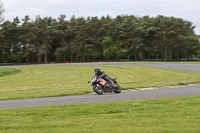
(100, 73)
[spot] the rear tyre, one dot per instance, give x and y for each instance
(98, 89)
(118, 89)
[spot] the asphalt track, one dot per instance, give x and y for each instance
(176, 91)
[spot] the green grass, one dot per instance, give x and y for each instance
(7, 71)
(155, 62)
(178, 115)
(49, 81)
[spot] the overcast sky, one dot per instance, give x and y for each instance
(186, 9)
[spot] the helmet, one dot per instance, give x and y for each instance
(96, 70)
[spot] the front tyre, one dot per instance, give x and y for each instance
(98, 89)
(118, 89)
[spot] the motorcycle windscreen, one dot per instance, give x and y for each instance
(93, 79)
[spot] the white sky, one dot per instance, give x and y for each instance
(186, 9)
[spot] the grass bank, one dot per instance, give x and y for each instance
(176, 115)
(4, 71)
(49, 81)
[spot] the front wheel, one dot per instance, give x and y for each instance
(118, 89)
(98, 89)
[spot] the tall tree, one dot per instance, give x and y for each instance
(62, 38)
(45, 41)
(110, 49)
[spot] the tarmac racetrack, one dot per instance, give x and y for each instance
(177, 91)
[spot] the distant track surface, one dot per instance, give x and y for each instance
(176, 66)
(178, 91)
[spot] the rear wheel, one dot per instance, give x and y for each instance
(98, 89)
(118, 89)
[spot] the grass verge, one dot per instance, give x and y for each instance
(8, 71)
(50, 81)
(153, 116)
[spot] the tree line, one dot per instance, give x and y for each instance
(92, 39)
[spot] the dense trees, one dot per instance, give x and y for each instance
(89, 39)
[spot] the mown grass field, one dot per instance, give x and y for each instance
(8, 71)
(50, 81)
(176, 115)
(159, 62)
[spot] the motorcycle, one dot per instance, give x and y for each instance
(101, 86)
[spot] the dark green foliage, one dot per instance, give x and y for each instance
(111, 50)
(80, 39)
